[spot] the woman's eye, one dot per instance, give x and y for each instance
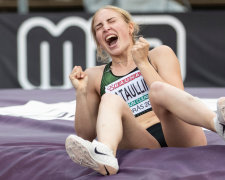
(112, 20)
(98, 28)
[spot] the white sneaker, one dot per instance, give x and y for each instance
(94, 155)
(220, 120)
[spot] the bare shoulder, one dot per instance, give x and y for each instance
(95, 69)
(95, 76)
(161, 51)
(161, 54)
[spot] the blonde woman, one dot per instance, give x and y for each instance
(134, 101)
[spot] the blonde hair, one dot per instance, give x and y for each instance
(101, 54)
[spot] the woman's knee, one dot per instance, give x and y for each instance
(157, 92)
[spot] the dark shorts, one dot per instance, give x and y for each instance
(157, 133)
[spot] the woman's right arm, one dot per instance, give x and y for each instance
(87, 102)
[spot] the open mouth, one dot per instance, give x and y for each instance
(111, 39)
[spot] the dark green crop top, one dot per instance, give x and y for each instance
(131, 87)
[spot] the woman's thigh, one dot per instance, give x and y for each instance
(180, 114)
(133, 134)
(180, 134)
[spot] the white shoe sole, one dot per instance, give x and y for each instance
(78, 151)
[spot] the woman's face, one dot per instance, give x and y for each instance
(113, 34)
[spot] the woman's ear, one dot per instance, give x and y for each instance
(131, 28)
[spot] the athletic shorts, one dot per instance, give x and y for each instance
(157, 133)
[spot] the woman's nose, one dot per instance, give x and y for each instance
(106, 27)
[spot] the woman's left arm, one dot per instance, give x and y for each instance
(164, 64)
(167, 65)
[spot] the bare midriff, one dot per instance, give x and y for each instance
(148, 119)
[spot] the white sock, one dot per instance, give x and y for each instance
(218, 127)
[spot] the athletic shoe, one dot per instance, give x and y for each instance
(94, 155)
(220, 119)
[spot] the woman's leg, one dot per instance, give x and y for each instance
(181, 115)
(116, 125)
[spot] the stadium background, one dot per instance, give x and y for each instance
(198, 38)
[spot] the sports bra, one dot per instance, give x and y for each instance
(131, 87)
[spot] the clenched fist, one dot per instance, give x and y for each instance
(79, 78)
(140, 51)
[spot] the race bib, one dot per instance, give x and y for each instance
(134, 90)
